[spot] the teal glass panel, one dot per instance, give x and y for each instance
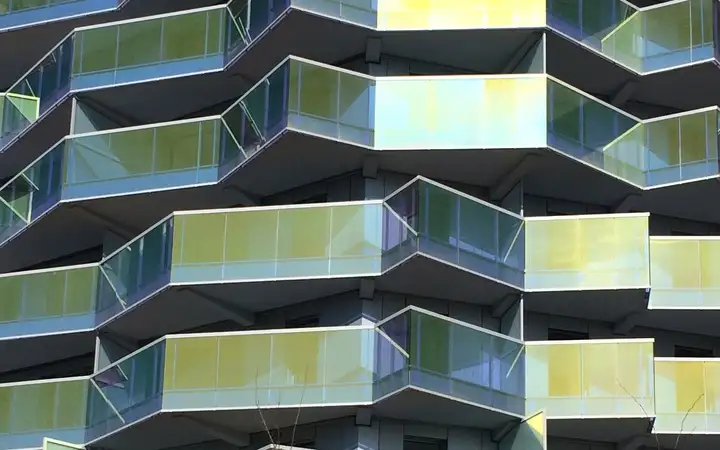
(127, 161)
(588, 21)
(32, 192)
(164, 46)
(463, 231)
(583, 128)
(48, 301)
(135, 271)
(459, 360)
(126, 392)
(33, 411)
(19, 13)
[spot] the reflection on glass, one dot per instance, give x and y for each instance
(29, 412)
(683, 272)
(266, 243)
(685, 396)
(456, 360)
(126, 161)
(126, 392)
(587, 252)
(459, 14)
(469, 112)
(588, 21)
(245, 370)
(48, 301)
(135, 271)
(304, 96)
(590, 378)
(584, 128)
(663, 37)
(124, 52)
(462, 230)
(680, 148)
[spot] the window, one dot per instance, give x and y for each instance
(420, 443)
(303, 322)
(692, 352)
(555, 334)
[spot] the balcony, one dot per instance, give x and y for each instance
(602, 380)
(276, 370)
(452, 360)
(48, 301)
(587, 266)
(19, 13)
(684, 295)
(685, 400)
(88, 168)
(643, 40)
(37, 409)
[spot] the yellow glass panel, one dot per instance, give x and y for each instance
(252, 236)
(459, 14)
(169, 369)
(690, 385)
(709, 263)
(587, 252)
(304, 233)
(712, 387)
(297, 359)
(346, 350)
(134, 151)
(196, 362)
(352, 233)
(244, 360)
(564, 370)
(202, 238)
(675, 264)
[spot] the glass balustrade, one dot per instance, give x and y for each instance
(454, 359)
(124, 52)
(683, 273)
(115, 162)
(587, 252)
(127, 391)
(588, 21)
(276, 243)
(584, 128)
(594, 378)
(462, 230)
(18, 13)
(663, 36)
(135, 271)
(685, 399)
(48, 301)
(34, 410)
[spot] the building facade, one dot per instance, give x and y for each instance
(359, 224)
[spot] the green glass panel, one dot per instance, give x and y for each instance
(139, 43)
(6, 408)
(184, 36)
(81, 290)
(12, 288)
(34, 407)
(71, 402)
(99, 49)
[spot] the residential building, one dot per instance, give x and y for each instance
(359, 224)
